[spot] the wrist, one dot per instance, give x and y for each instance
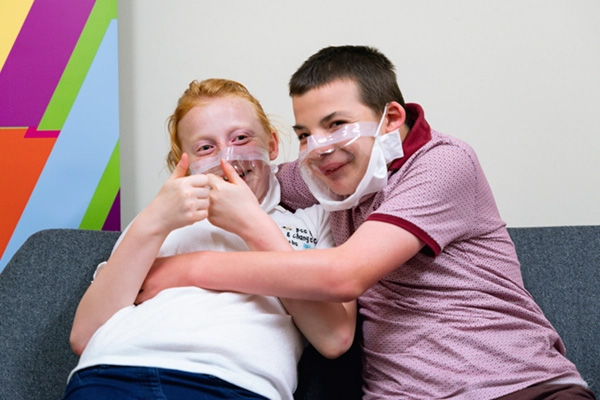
(265, 235)
(151, 224)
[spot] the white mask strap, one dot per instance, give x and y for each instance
(377, 132)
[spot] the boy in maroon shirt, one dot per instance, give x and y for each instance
(420, 244)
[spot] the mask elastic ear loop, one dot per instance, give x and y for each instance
(382, 118)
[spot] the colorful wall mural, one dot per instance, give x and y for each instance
(59, 118)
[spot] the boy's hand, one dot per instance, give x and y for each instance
(181, 201)
(233, 205)
(164, 274)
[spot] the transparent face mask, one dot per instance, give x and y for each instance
(320, 157)
(251, 163)
(317, 149)
(322, 154)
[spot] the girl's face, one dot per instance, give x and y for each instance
(211, 127)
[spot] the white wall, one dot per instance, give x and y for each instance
(517, 79)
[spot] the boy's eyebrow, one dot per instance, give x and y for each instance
(323, 120)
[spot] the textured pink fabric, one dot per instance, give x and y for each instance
(455, 321)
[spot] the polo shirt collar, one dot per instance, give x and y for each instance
(418, 136)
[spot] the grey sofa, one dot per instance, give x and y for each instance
(42, 284)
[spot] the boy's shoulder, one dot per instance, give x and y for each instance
(447, 146)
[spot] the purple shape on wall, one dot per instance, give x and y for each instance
(113, 220)
(38, 58)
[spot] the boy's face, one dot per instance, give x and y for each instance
(320, 112)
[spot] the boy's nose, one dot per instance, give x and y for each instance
(326, 152)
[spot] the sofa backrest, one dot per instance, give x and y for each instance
(42, 284)
(561, 270)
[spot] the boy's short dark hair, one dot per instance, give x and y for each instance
(372, 71)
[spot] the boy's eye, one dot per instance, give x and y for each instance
(303, 136)
(337, 124)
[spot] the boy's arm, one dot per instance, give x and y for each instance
(118, 282)
(343, 273)
(337, 274)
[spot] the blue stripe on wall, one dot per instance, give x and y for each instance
(80, 154)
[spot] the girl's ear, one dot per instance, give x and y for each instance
(273, 146)
(396, 117)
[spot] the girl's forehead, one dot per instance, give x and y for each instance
(220, 115)
(222, 109)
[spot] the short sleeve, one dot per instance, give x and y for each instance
(103, 263)
(294, 192)
(434, 195)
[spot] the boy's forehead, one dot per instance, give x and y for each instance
(335, 99)
(337, 88)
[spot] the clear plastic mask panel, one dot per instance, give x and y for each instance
(321, 157)
(319, 147)
(244, 159)
(251, 163)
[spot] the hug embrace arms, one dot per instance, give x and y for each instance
(442, 307)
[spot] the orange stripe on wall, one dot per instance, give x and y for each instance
(21, 162)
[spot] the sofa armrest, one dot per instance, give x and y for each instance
(40, 289)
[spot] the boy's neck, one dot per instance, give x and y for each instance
(404, 131)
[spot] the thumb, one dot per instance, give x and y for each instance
(181, 168)
(229, 172)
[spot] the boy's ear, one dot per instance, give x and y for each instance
(396, 116)
(273, 146)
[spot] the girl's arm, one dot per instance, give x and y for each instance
(181, 201)
(328, 326)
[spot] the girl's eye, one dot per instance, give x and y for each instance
(241, 139)
(204, 149)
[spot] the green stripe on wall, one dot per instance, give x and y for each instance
(104, 196)
(77, 68)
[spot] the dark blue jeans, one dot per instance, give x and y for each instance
(107, 382)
